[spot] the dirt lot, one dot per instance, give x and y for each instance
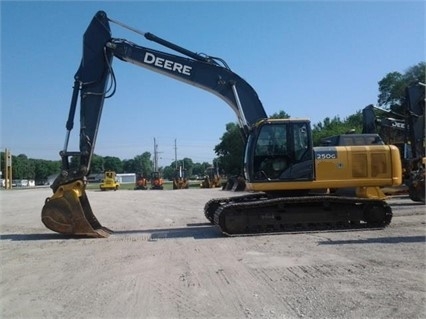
(165, 261)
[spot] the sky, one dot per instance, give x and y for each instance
(311, 59)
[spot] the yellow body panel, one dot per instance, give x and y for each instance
(346, 167)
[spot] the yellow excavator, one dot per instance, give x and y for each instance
(292, 184)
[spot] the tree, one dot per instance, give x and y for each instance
(280, 115)
(113, 164)
(391, 89)
(392, 86)
(200, 168)
(230, 150)
(96, 166)
(22, 167)
(354, 122)
(327, 127)
(142, 164)
(415, 74)
(169, 172)
(186, 163)
(128, 166)
(28, 168)
(44, 168)
(335, 126)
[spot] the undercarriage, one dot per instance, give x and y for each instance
(258, 213)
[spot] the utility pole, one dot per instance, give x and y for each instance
(176, 165)
(176, 162)
(8, 169)
(155, 156)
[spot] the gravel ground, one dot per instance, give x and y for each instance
(165, 261)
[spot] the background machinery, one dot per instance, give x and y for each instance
(211, 178)
(180, 179)
(141, 182)
(109, 182)
(353, 139)
(285, 174)
(407, 132)
(156, 181)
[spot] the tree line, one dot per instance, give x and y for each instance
(39, 170)
(230, 149)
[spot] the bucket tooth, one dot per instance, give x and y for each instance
(68, 212)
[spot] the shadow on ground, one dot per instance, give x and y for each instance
(378, 240)
(196, 231)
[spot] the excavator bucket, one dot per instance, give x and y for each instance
(68, 212)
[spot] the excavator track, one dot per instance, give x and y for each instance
(212, 205)
(257, 214)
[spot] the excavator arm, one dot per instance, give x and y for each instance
(68, 211)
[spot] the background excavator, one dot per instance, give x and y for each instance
(211, 178)
(287, 177)
(180, 179)
(407, 132)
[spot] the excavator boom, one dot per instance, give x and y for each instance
(210, 76)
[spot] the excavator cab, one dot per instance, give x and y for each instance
(279, 150)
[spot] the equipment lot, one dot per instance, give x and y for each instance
(165, 261)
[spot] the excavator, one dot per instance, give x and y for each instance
(180, 179)
(286, 177)
(211, 178)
